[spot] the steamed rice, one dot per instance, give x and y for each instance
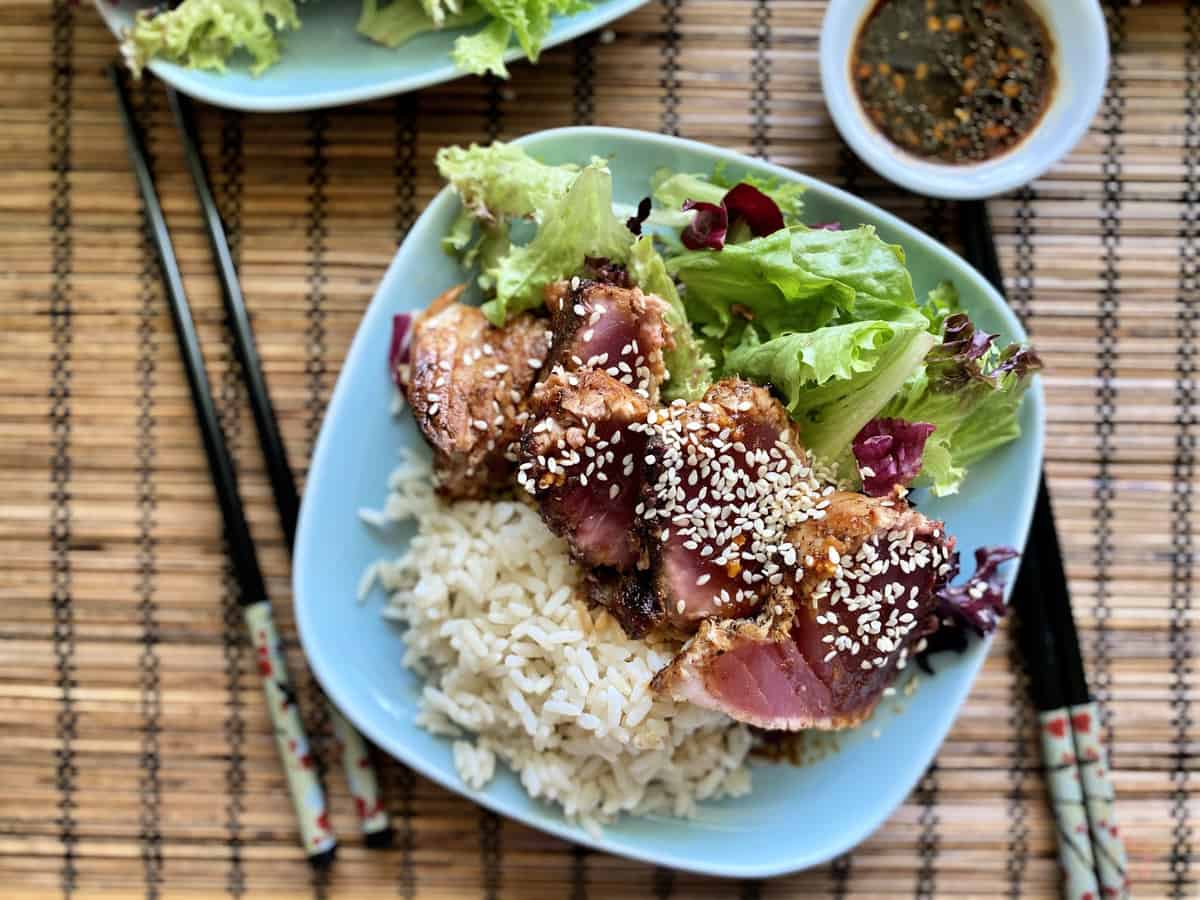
(517, 667)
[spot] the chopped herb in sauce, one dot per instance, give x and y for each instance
(959, 81)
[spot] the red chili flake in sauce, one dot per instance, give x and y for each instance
(959, 81)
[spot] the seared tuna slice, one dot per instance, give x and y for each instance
(823, 656)
(617, 330)
(467, 382)
(726, 480)
(582, 461)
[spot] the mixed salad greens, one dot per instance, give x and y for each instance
(204, 34)
(891, 388)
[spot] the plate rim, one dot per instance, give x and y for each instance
(563, 29)
(556, 824)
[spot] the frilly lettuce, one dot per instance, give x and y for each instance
(581, 224)
(482, 53)
(526, 20)
(498, 185)
(398, 22)
(503, 181)
(203, 34)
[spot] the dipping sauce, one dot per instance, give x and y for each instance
(959, 81)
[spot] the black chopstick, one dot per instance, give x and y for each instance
(308, 799)
(1075, 759)
(356, 758)
(279, 470)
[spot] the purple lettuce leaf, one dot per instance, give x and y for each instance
(746, 203)
(708, 229)
(963, 358)
(889, 453)
(976, 605)
(398, 350)
(742, 203)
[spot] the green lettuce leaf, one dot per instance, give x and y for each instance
(941, 302)
(837, 378)
(399, 21)
(497, 184)
(503, 181)
(204, 34)
(483, 52)
(580, 224)
(759, 280)
(689, 367)
(795, 280)
(529, 21)
(858, 258)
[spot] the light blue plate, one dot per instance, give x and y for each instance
(327, 63)
(794, 817)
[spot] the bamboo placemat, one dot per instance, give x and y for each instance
(135, 757)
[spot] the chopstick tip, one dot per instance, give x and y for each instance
(324, 859)
(381, 839)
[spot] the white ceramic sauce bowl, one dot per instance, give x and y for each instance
(1080, 38)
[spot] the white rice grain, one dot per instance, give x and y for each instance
(518, 667)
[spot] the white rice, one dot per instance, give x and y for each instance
(517, 667)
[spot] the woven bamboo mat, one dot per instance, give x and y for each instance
(134, 753)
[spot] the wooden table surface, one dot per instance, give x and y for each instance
(135, 757)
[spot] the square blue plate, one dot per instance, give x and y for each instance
(795, 816)
(327, 63)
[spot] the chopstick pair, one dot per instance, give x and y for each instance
(308, 798)
(1075, 760)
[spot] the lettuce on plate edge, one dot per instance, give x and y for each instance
(203, 34)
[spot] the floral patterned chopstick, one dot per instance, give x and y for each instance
(1076, 763)
(1069, 718)
(356, 758)
(308, 799)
